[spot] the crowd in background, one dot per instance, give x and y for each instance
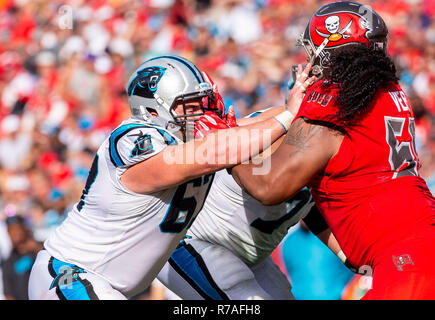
(64, 65)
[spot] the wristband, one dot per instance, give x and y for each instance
(342, 256)
(285, 119)
(352, 268)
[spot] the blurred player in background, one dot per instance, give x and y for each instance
(353, 143)
(17, 267)
(136, 205)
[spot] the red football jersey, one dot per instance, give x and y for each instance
(370, 192)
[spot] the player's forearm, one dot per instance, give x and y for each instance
(305, 151)
(270, 113)
(245, 142)
(219, 150)
(258, 186)
(226, 148)
(272, 186)
(329, 240)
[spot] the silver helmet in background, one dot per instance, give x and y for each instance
(160, 84)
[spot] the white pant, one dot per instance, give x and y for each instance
(201, 270)
(52, 279)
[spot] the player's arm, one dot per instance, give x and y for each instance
(319, 227)
(328, 239)
(326, 236)
(304, 153)
(218, 150)
(157, 174)
(264, 115)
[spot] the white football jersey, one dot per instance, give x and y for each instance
(232, 218)
(120, 235)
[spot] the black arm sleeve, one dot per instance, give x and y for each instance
(315, 221)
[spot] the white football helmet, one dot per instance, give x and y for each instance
(160, 83)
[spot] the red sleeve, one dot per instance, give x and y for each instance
(318, 104)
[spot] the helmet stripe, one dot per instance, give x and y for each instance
(199, 79)
(185, 63)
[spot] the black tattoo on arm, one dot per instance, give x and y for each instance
(300, 135)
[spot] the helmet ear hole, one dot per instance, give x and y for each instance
(317, 70)
(152, 111)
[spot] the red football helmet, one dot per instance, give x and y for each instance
(339, 24)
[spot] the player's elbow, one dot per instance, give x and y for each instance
(266, 194)
(267, 199)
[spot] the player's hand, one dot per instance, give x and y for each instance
(219, 101)
(230, 117)
(207, 124)
(302, 83)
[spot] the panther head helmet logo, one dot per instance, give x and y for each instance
(146, 81)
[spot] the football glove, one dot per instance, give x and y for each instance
(207, 124)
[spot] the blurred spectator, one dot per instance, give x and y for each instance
(15, 145)
(5, 249)
(17, 267)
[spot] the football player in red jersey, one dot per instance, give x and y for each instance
(353, 143)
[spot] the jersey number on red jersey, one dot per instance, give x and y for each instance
(400, 135)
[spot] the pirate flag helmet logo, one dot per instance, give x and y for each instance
(338, 24)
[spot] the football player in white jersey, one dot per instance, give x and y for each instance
(226, 253)
(137, 205)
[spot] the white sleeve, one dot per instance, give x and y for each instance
(130, 145)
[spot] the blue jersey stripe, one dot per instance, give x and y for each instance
(118, 133)
(115, 136)
(168, 138)
(186, 64)
(196, 273)
(254, 114)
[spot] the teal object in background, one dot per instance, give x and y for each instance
(314, 270)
